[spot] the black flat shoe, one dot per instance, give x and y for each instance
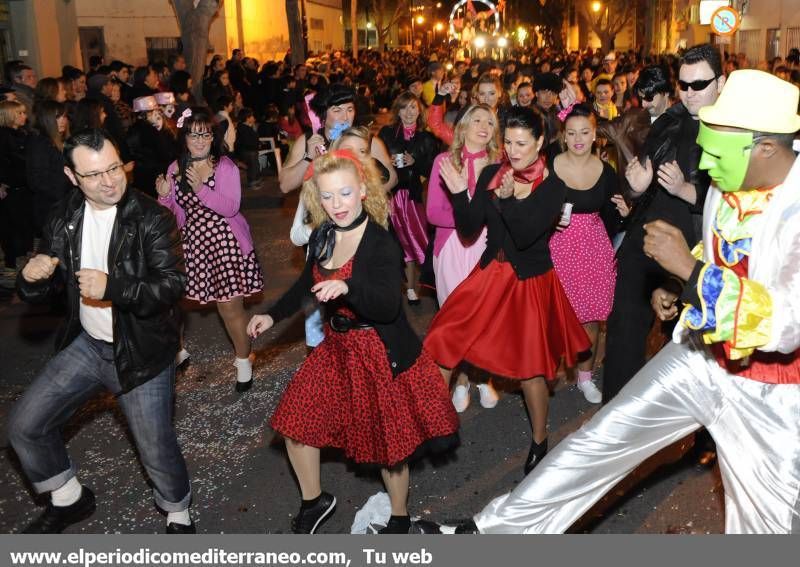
(176, 528)
(535, 455)
(425, 527)
(55, 519)
(467, 527)
(242, 387)
(308, 520)
(397, 525)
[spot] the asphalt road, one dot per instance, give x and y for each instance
(240, 475)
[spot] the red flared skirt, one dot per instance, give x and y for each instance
(509, 327)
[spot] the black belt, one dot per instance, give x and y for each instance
(342, 324)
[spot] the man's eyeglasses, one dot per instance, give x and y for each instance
(194, 136)
(112, 171)
(696, 86)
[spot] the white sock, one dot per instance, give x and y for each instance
(181, 517)
(67, 494)
(182, 355)
(244, 369)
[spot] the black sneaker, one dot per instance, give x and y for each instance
(309, 519)
(55, 519)
(176, 528)
(467, 527)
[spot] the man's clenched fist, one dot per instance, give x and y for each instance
(92, 283)
(38, 268)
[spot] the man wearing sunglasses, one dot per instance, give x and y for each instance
(666, 184)
(117, 256)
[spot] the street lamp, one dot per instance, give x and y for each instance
(596, 7)
(420, 20)
(480, 42)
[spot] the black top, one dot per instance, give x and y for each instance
(12, 156)
(521, 228)
(595, 200)
(44, 170)
(422, 146)
(373, 295)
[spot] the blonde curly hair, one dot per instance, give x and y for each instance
(460, 135)
(376, 203)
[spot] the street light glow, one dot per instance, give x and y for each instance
(502, 42)
(420, 20)
(596, 6)
(369, 25)
(480, 42)
(439, 26)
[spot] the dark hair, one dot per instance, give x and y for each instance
(179, 82)
(173, 58)
(704, 52)
(337, 94)
(652, 81)
(582, 111)
(47, 112)
(547, 82)
(399, 103)
(92, 138)
(527, 118)
(785, 140)
(201, 119)
(87, 114)
(244, 114)
(116, 65)
(524, 85)
(140, 74)
(603, 81)
(47, 88)
(221, 103)
(95, 60)
(18, 69)
(70, 73)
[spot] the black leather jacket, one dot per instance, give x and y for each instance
(145, 282)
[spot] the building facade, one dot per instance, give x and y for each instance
(48, 34)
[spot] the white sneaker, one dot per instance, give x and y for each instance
(461, 398)
(590, 392)
(489, 397)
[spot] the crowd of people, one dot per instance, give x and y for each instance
(542, 198)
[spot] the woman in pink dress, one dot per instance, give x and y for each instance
(581, 248)
(476, 144)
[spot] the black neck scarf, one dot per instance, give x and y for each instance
(326, 239)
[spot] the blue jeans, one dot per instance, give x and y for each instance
(72, 377)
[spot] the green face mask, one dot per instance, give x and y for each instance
(726, 156)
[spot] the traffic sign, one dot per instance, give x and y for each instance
(726, 21)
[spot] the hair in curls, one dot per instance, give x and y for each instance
(526, 118)
(376, 204)
(403, 100)
(460, 135)
(201, 120)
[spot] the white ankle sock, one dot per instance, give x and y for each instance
(181, 517)
(244, 369)
(584, 376)
(67, 494)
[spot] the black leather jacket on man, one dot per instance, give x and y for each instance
(145, 282)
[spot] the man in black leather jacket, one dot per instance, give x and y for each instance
(117, 257)
(668, 186)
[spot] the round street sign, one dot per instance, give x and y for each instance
(725, 21)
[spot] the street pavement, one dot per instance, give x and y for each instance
(241, 478)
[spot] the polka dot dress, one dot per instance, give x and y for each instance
(216, 269)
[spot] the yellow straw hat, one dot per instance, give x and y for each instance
(757, 101)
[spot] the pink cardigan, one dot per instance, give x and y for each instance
(438, 208)
(224, 199)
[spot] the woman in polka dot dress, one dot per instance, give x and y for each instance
(204, 192)
(583, 256)
(369, 388)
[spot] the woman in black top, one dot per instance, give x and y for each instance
(44, 162)
(412, 150)
(368, 388)
(510, 317)
(16, 212)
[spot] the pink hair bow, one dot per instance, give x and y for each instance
(184, 115)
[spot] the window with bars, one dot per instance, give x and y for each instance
(317, 23)
(160, 48)
(773, 43)
(750, 43)
(792, 40)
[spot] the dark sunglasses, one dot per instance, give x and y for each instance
(647, 98)
(696, 86)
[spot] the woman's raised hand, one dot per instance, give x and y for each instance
(455, 180)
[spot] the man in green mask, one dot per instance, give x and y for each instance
(734, 364)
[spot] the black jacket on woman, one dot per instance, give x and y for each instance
(152, 151)
(423, 146)
(373, 294)
(520, 228)
(146, 281)
(44, 166)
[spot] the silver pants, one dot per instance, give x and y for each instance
(756, 427)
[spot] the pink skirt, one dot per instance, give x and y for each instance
(455, 262)
(584, 261)
(410, 225)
